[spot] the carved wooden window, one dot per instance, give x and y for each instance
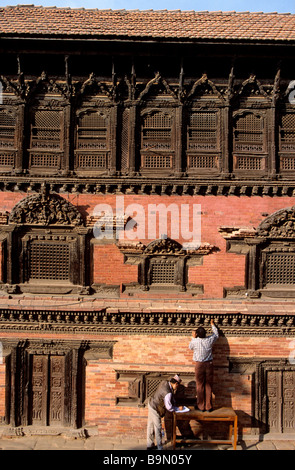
(287, 142)
(157, 149)
(49, 262)
(46, 139)
(92, 141)
(46, 246)
(202, 140)
(7, 139)
(270, 255)
(249, 142)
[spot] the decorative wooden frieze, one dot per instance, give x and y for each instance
(198, 185)
(115, 321)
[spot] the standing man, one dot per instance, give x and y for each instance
(202, 348)
(162, 400)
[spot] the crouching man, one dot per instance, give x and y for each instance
(162, 400)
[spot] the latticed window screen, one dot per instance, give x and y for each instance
(280, 269)
(249, 128)
(287, 142)
(203, 161)
(92, 140)
(202, 128)
(288, 127)
(288, 163)
(49, 261)
(43, 160)
(7, 138)
(46, 130)
(157, 161)
(156, 132)
(152, 384)
(202, 139)
(92, 131)
(250, 163)
(7, 129)
(162, 272)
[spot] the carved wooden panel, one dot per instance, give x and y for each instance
(281, 400)
(274, 400)
(289, 402)
(163, 263)
(38, 399)
(47, 398)
(56, 390)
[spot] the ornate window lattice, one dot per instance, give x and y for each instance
(202, 128)
(46, 139)
(248, 130)
(156, 144)
(280, 269)
(92, 144)
(162, 273)
(7, 129)
(249, 143)
(7, 138)
(249, 163)
(46, 129)
(202, 140)
(157, 161)
(287, 142)
(203, 161)
(49, 261)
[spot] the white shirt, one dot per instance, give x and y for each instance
(202, 347)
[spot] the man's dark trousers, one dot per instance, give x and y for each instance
(204, 384)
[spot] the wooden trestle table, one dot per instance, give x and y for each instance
(220, 414)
